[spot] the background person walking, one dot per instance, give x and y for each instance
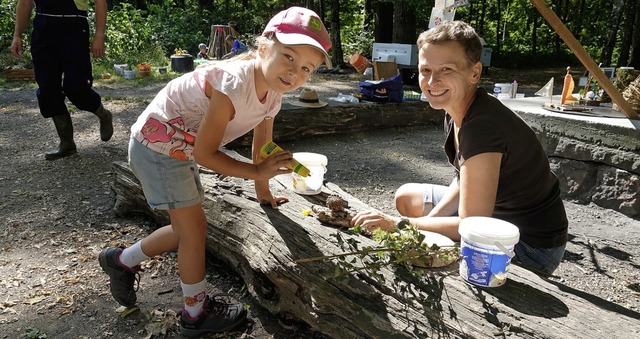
(62, 64)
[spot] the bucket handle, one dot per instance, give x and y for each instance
(511, 254)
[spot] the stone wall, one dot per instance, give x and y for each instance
(596, 159)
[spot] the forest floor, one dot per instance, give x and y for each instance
(56, 216)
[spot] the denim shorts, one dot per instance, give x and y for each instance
(545, 260)
(432, 195)
(167, 183)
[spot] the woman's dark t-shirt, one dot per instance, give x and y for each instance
(528, 193)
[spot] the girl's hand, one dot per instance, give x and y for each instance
(266, 198)
(370, 220)
(274, 165)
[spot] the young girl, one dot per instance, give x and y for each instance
(212, 105)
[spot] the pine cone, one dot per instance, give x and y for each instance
(336, 203)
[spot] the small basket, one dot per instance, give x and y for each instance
(20, 74)
(129, 74)
(411, 96)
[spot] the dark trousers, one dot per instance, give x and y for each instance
(62, 65)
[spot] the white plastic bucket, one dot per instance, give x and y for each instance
(317, 165)
(129, 74)
(487, 248)
(502, 89)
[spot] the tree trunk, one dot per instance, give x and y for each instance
(579, 20)
(383, 30)
(471, 14)
(369, 15)
(635, 43)
(534, 33)
(627, 33)
(557, 41)
(612, 32)
(404, 23)
(336, 41)
(263, 246)
(498, 27)
(482, 16)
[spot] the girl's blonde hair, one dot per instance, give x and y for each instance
(252, 53)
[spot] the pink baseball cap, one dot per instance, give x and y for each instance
(300, 26)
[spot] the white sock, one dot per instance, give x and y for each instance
(133, 255)
(194, 295)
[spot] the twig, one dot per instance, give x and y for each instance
(580, 268)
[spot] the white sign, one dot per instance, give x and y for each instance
(439, 16)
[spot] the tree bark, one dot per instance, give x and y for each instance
(627, 33)
(482, 15)
(579, 20)
(263, 244)
(404, 22)
(369, 15)
(499, 31)
(635, 43)
(534, 34)
(336, 50)
(612, 32)
(383, 22)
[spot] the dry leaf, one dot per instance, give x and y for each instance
(8, 303)
(67, 311)
(35, 300)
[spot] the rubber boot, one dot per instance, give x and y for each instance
(106, 123)
(67, 147)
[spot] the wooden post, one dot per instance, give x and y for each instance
(584, 57)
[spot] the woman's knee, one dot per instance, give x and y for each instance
(409, 200)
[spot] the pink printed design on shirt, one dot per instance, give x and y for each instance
(155, 130)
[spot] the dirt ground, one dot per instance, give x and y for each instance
(56, 216)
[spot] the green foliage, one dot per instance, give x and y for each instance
(179, 27)
(406, 248)
(34, 333)
(131, 38)
(7, 22)
(150, 30)
(357, 40)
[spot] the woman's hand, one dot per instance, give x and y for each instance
(370, 220)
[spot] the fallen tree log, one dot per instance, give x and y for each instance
(263, 244)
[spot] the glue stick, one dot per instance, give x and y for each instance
(271, 148)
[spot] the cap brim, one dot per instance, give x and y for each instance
(295, 39)
(318, 104)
